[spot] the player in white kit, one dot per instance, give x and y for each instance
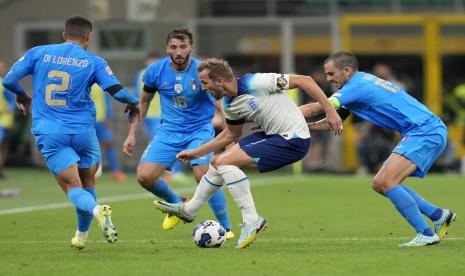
(285, 138)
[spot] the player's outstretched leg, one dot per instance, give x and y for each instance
(103, 215)
(84, 222)
(441, 218)
(217, 203)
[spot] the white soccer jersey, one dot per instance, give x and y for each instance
(263, 99)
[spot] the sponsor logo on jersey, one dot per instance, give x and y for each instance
(281, 81)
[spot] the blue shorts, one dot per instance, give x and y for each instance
(151, 126)
(272, 152)
(104, 133)
(60, 151)
(3, 134)
(423, 145)
(166, 144)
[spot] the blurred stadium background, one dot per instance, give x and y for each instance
(420, 41)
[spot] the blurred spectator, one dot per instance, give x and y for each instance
(454, 110)
(7, 107)
(318, 154)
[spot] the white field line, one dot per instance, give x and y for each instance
(164, 241)
(254, 182)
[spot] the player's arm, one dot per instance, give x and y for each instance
(310, 87)
(323, 124)
(22, 68)
(230, 134)
(144, 103)
(219, 115)
(311, 109)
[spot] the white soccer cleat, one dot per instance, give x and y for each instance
(249, 232)
(421, 240)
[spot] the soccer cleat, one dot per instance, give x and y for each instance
(230, 235)
(249, 232)
(104, 221)
(442, 224)
(118, 176)
(421, 240)
(78, 242)
(176, 209)
(170, 222)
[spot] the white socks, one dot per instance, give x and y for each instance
(82, 235)
(239, 189)
(209, 184)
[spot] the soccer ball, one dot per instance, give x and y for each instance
(209, 233)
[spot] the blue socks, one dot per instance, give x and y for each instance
(218, 204)
(84, 200)
(112, 158)
(408, 208)
(84, 218)
(162, 190)
(426, 208)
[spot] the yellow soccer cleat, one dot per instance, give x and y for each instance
(230, 235)
(78, 242)
(441, 226)
(104, 221)
(170, 222)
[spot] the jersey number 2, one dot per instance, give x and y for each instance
(63, 87)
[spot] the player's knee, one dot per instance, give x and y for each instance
(145, 179)
(231, 174)
(378, 184)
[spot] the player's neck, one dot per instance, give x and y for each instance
(231, 88)
(77, 42)
(182, 67)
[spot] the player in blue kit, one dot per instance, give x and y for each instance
(423, 139)
(63, 117)
(186, 123)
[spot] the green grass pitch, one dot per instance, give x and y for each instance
(318, 225)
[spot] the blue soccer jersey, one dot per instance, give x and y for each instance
(62, 77)
(184, 106)
(381, 103)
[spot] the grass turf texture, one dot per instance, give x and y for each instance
(318, 224)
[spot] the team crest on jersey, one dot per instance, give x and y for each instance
(178, 88)
(281, 81)
(253, 105)
(109, 70)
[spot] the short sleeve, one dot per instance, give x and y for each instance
(25, 65)
(349, 95)
(270, 82)
(231, 117)
(150, 77)
(103, 74)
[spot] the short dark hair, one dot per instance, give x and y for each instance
(343, 59)
(77, 27)
(181, 34)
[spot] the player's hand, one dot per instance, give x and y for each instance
(23, 102)
(133, 111)
(335, 122)
(186, 155)
(129, 145)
